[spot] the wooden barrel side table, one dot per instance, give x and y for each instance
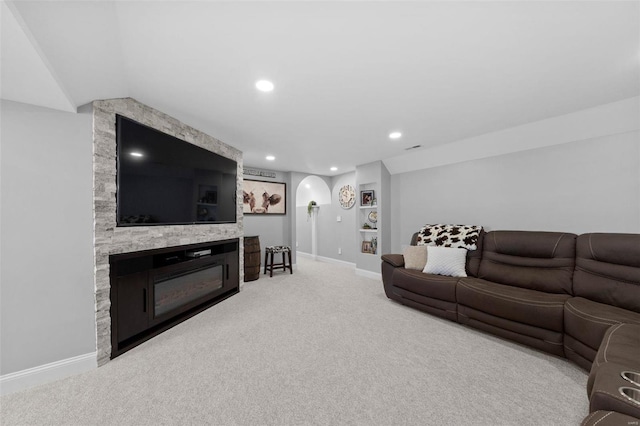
(251, 258)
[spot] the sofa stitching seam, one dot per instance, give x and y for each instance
(606, 347)
(602, 418)
(434, 278)
(525, 266)
(533, 337)
(590, 416)
(590, 318)
(515, 299)
(591, 248)
(585, 315)
(553, 252)
(609, 277)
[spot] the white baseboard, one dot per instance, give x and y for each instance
(369, 274)
(307, 255)
(336, 261)
(326, 259)
(46, 373)
(361, 272)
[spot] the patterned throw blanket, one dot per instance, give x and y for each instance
(458, 236)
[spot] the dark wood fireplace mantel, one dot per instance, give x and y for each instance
(153, 290)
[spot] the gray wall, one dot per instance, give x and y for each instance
(46, 249)
(583, 186)
(340, 234)
(274, 230)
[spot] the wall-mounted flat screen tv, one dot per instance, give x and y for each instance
(163, 180)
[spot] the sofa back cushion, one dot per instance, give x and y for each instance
(473, 256)
(542, 261)
(608, 269)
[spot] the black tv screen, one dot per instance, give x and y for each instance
(163, 180)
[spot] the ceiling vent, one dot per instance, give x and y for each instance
(413, 147)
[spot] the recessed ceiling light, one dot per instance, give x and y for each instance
(264, 85)
(333, 169)
(270, 157)
(395, 135)
(136, 154)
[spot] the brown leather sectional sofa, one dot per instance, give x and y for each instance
(573, 296)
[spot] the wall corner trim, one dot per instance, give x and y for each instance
(31, 377)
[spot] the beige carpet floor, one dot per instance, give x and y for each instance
(324, 347)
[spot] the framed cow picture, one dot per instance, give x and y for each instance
(259, 197)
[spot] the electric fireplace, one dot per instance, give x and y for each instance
(175, 291)
(154, 290)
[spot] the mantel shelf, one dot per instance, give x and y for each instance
(369, 207)
(368, 230)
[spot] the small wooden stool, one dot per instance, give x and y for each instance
(270, 266)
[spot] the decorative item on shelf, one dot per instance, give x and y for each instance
(374, 245)
(366, 247)
(374, 202)
(366, 226)
(366, 197)
(373, 218)
(347, 196)
(310, 207)
(261, 173)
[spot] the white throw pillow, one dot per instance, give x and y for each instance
(415, 257)
(446, 261)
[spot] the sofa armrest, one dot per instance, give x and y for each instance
(605, 394)
(396, 260)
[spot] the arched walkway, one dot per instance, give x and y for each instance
(311, 188)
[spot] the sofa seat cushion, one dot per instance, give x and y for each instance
(531, 307)
(588, 321)
(609, 418)
(429, 285)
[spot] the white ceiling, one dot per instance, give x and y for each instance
(346, 73)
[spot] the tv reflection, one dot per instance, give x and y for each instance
(267, 200)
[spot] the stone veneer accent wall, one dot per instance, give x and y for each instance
(109, 239)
